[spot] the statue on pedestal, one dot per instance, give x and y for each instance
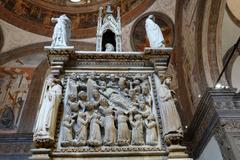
(46, 122)
(154, 33)
(172, 128)
(62, 31)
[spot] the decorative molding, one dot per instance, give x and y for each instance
(218, 113)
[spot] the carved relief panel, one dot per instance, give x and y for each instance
(109, 112)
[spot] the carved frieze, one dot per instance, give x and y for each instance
(109, 112)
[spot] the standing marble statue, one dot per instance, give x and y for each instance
(46, 122)
(62, 31)
(154, 33)
(170, 117)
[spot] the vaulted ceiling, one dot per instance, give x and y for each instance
(35, 15)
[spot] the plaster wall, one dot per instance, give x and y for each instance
(211, 151)
(15, 37)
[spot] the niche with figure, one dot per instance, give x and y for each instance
(108, 38)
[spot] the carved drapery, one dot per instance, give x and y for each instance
(109, 109)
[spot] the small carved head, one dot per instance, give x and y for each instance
(145, 90)
(72, 97)
(152, 17)
(82, 95)
(167, 79)
(142, 104)
(90, 106)
(102, 76)
(131, 93)
(151, 117)
(104, 102)
(137, 89)
(95, 94)
(73, 76)
(138, 117)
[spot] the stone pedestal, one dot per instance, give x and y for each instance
(75, 69)
(40, 154)
(218, 115)
(177, 151)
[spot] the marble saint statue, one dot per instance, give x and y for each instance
(170, 117)
(154, 33)
(46, 122)
(151, 130)
(62, 31)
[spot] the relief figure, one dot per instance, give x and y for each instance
(67, 138)
(95, 138)
(123, 137)
(151, 130)
(81, 131)
(108, 123)
(137, 130)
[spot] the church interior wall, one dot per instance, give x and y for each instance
(211, 151)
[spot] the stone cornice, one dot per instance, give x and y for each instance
(216, 106)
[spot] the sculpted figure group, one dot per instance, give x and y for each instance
(108, 110)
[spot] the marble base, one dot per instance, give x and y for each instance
(177, 152)
(40, 154)
(116, 158)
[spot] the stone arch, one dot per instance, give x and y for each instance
(204, 48)
(108, 37)
(228, 72)
(1, 39)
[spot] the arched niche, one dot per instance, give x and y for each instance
(139, 38)
(108, 37)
